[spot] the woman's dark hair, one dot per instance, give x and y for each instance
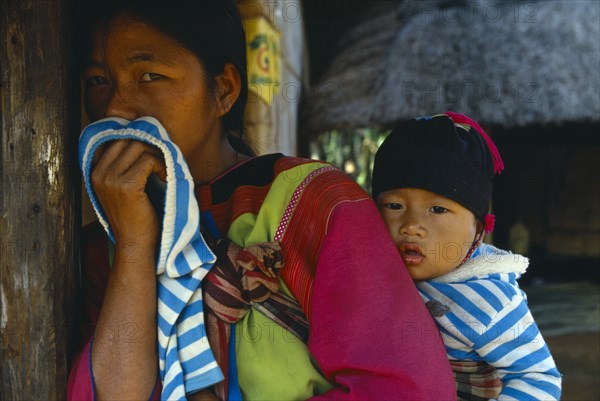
(211, 29)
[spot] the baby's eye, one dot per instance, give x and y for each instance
(438, 209)
(394, 206)
(150, 76)
(95, 81)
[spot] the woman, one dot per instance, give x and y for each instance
(183, 63)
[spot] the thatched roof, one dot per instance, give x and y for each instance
(507, 63)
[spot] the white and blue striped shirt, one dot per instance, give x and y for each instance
(487, 320)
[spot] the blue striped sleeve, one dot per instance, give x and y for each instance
(516, 348)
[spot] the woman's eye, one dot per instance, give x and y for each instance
(394, 206)
(95, 81)
(150, 76)
(438, 209)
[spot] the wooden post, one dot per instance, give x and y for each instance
(38, 194)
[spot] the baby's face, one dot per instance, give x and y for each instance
(432, 233)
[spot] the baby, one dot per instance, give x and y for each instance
(432, 181)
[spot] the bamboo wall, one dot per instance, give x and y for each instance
(272, 110)
(551, 187)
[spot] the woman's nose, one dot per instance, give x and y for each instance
(121, 103)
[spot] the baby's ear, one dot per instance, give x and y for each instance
(478, 225)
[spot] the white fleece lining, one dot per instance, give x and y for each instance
(491, 261)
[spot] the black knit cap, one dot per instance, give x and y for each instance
(448, 154)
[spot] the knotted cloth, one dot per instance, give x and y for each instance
(242, 279)
(186, 361)
(476, 381)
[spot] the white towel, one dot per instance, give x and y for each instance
(185, 359)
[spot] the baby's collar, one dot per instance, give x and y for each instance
(486, 260)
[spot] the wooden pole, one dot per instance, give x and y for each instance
(38, 198)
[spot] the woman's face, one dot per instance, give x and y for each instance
(135, 70)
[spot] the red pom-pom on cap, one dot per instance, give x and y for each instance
(489, 221)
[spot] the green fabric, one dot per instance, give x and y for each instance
(286, 370)
(272, 363)
(249, 228)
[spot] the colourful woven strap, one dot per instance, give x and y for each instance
(475, 381)
(242, 279)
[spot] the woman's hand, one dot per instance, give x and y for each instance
(127, 369)
(119, 177)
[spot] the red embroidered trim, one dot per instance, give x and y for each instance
(289, 210)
